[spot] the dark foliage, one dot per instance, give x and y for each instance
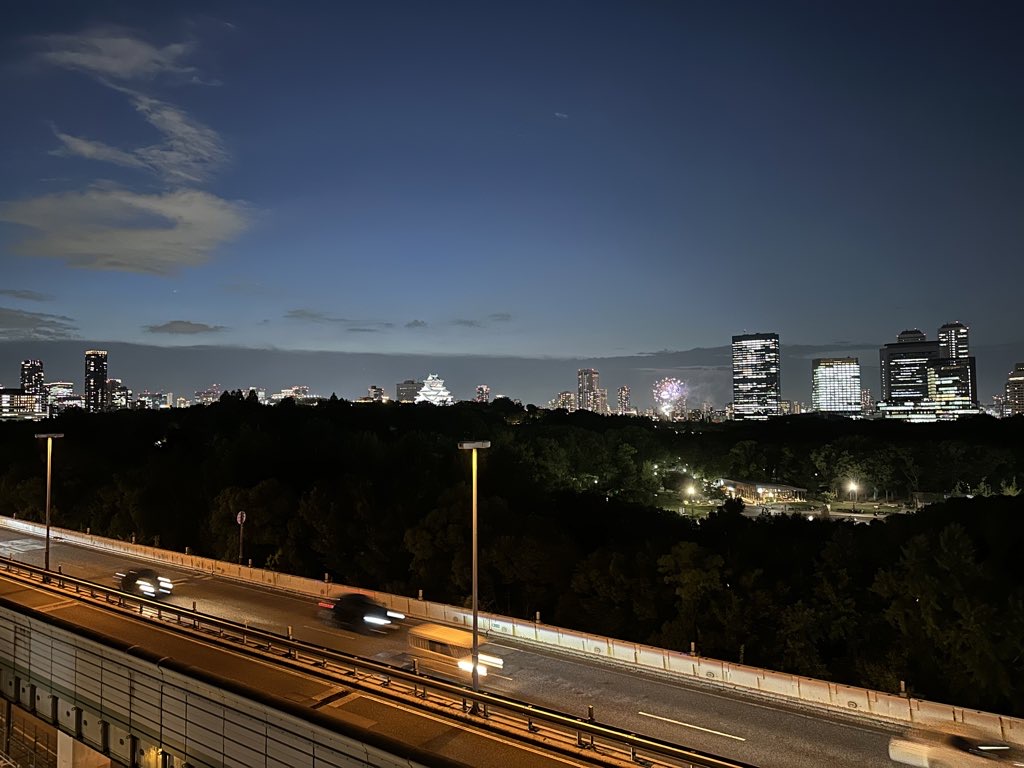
(379, 496)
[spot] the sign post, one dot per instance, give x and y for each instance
(240, 517)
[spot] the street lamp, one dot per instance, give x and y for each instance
(50, 437)
(473, 445)
(853, 490)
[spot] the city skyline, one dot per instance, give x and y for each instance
(707, 375)
(538, 181)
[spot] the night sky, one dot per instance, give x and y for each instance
(576, 180)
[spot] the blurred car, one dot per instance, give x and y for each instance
(359, 612)
(144, 582)
(953, 747)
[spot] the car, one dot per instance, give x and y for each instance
(361, 613)
(953, 747)
(144, 582)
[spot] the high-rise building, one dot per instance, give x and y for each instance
(95, 380)
(406, 391)
(566, 400)
(601, 402)
(376, 394)
(33, 384)
(1013, 404)
(588, 382)
(756, 379)
(953, 343)
(483, 394)
(928, 380)
(904, 368)
(433, 391)
(119, 397)
(622, 401)
(835, 385)
(867, 402)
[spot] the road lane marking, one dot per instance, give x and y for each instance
(688, 725)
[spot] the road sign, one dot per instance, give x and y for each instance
(240, 517)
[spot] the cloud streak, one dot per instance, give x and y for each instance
(25, 295)
(183, 328)
(111, 228)
(315, 316)
(114, 53)
(17, 325)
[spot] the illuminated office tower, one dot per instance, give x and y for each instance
(376, 394)
(566, 400)
(119, 397)
(406, 391)
(623, 401)
(904, 368)
(953, 341)
(95, 380)
(1013, 405)
(433, 391)
(483, 394)
(601, 402)
(835, 385)
(33, 384)
(588, 382)
(756, 380)
(959, 371)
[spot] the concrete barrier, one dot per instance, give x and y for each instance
(816, 693)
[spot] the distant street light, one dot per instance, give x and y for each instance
(853, 491)
(473, 445)
(50, 437)
(240, 517)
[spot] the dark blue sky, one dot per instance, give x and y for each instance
(549, 179)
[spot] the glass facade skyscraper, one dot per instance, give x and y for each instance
(33, 384)
(588, 384)
(756, 379)
(835, 385)
(95, 380)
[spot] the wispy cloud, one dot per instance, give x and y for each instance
(561, 115)
(500, 317)
(16, 325)
(314, 316)
(24, 295)
(190, 152)
(109, 227)
(358, 329)
(466, 322)
(184, 328)
(115, 53)
(95, 150)
(416, 324)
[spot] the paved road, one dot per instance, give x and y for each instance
(720, 722)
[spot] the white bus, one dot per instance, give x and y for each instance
(450, 646)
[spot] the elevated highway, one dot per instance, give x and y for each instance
(712, 720)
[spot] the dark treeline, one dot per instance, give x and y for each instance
(378, 496)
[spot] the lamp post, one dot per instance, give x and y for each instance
(853, 490)
(473, 445)
(50, 437)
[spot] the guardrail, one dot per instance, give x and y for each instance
(519, 719)
(819, 694)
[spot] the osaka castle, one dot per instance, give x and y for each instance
(433, 392)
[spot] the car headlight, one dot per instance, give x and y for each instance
(396, 615)
(379, 620)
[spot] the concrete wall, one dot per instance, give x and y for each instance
(820, 694)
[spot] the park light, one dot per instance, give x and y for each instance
(474, 445)
(853, 491)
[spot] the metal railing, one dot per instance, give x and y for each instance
(581, 736)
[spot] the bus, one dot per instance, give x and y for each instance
(450, 646)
